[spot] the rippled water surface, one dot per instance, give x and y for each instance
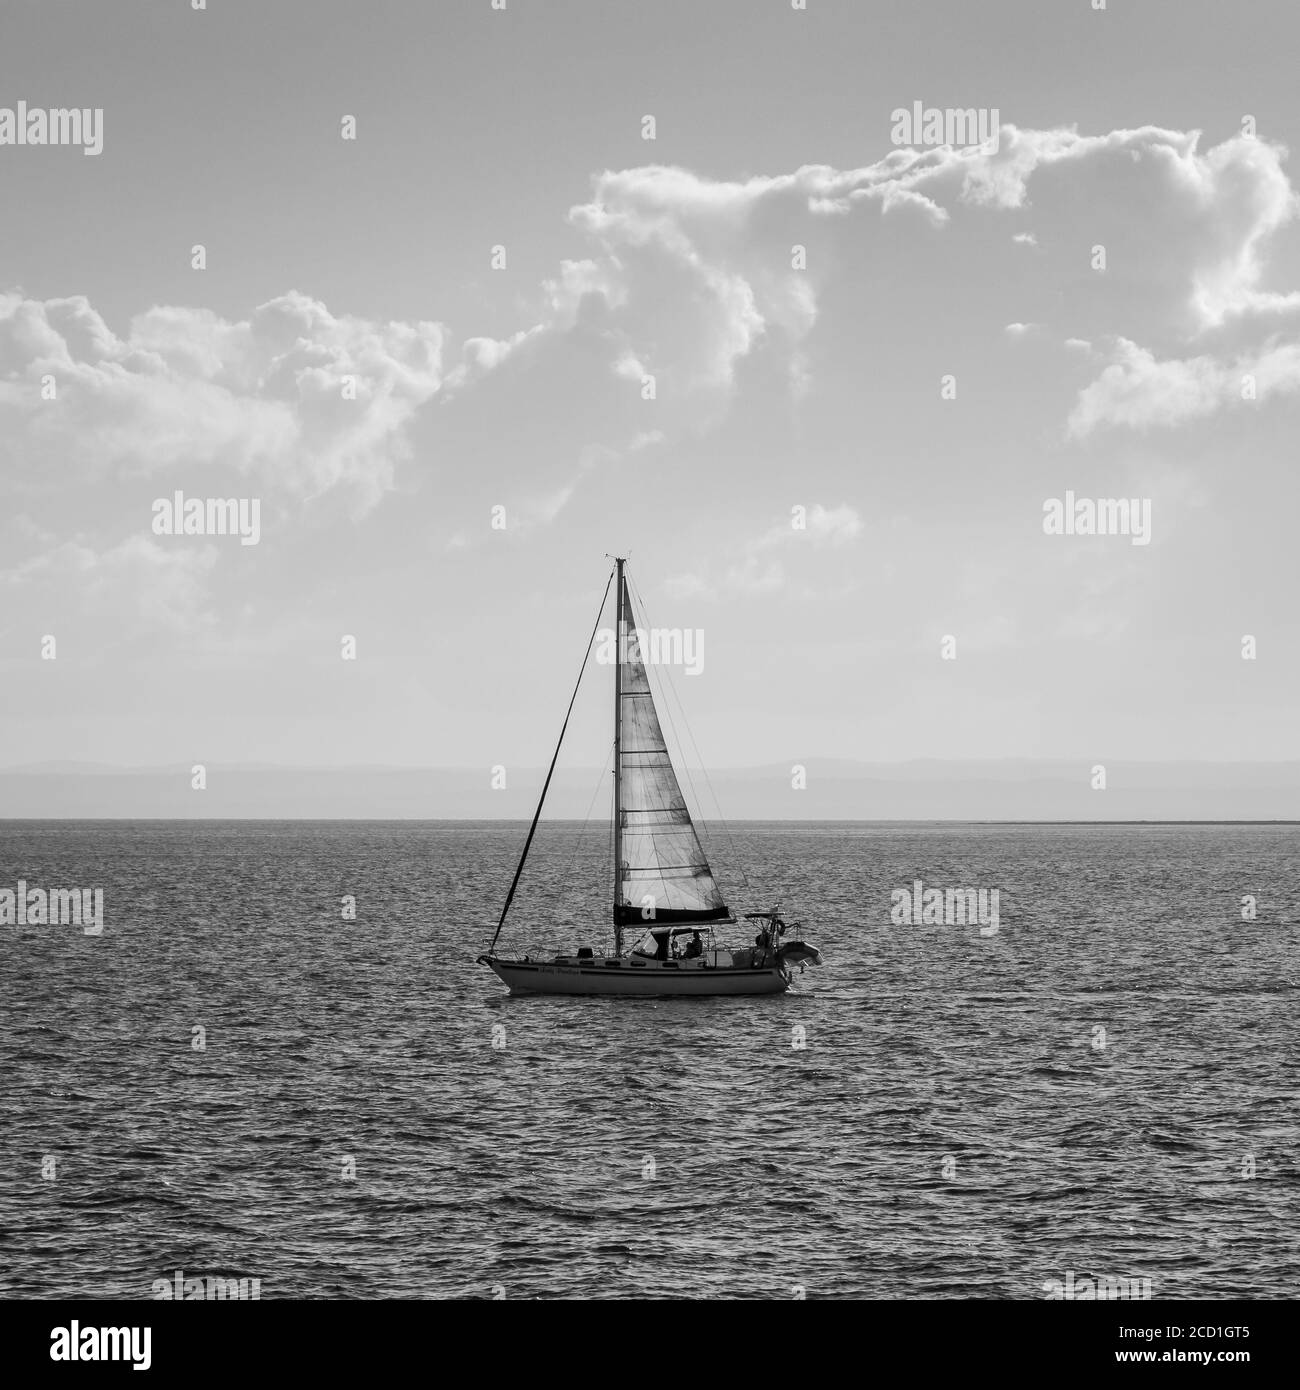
(954, 1126)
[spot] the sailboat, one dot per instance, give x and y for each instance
(666, 898)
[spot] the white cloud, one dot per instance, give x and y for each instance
(694, 274)
(184, 388)
(1226, 203)
(1139, 391)
(833, 525)
(683, 277)
(482, 355)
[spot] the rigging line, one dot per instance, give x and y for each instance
(666, 683)
(541, 800)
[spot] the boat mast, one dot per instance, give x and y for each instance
(618, 749)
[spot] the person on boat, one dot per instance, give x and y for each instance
(694, 947)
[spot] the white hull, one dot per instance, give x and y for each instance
(648, 980)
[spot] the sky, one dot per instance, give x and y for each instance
(801, 489)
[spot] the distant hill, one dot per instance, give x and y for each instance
(1007, 789)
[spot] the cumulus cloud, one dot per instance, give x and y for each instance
(184, 388)
(692, 275)
(482, 355)
(1139, 391)
(1205, 218)
(682, 277)
(685, 277)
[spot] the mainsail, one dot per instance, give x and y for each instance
(661, 874)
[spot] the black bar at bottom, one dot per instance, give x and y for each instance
(916, 1338)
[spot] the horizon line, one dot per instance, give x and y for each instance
(52, 766)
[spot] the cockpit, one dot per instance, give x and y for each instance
(662, 943)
